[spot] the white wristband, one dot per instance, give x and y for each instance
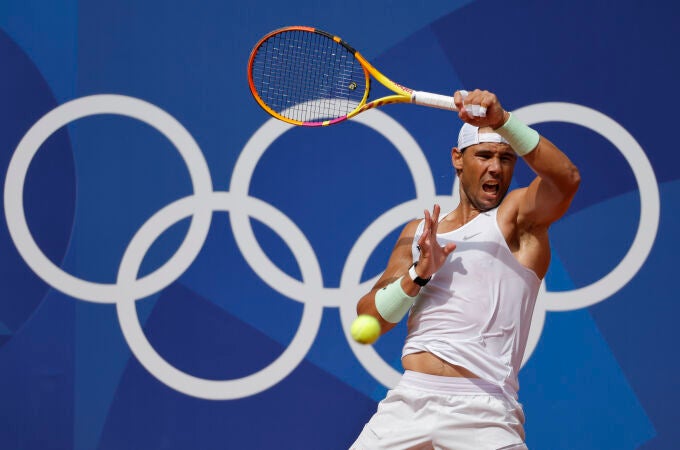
(522, 139)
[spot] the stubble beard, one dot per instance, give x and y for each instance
(476, 205)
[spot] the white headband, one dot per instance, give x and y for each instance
(469, 135)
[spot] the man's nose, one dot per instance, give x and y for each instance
(494, 165)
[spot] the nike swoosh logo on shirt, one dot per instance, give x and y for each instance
(470, 236)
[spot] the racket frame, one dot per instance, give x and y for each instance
(403, 94)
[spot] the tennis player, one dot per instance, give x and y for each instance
(469, 282)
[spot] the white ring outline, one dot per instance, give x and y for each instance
(419, 168)
(648, 225)
(240, 183)
(63, 115)
(129, 288)
(170, 375)
(380, 369)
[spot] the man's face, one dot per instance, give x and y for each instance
(485, 171)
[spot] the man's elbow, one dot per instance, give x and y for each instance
(572, 182)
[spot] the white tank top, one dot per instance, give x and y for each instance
(476, 310)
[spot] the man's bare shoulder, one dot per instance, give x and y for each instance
(509, 207)
(406, 237)
(410, 228)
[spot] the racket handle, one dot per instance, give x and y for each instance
(433, 100)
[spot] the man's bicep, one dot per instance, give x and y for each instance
(542, 203)
(548, 197)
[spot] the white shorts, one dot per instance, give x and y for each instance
(432, 412)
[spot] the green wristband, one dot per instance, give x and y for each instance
(521, 138)
(392, 302)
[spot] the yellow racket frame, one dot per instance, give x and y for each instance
(403, 94)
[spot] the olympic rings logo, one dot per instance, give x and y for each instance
(128, 288)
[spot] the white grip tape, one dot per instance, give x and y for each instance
(434, 100)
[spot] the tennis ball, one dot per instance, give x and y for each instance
(365, 329)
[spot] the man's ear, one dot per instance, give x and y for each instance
(457, 158)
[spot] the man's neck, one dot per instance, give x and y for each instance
(464, 213)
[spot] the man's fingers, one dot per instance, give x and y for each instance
(474, 105)
(475, 110)
(448, 248)
(435, 214)
(426, 229)
(460, 99)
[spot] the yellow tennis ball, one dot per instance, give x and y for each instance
(365, 329)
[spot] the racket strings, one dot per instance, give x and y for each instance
(307, 76)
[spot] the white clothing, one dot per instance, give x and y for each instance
(444, 413)
(476, 310)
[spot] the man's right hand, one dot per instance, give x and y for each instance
(432, 255)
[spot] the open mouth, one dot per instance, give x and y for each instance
(491, 188)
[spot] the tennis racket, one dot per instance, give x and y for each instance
(305, 76)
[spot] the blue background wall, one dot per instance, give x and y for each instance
(240, 341)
